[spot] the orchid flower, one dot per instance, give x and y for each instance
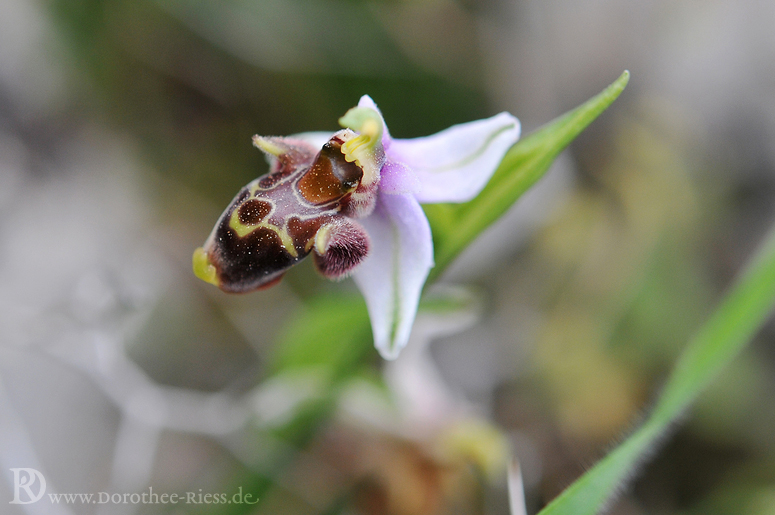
(352, 199)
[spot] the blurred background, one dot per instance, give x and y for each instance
(125, 129)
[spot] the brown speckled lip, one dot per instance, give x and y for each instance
(248, 263)
(305, 191)
(253, 211)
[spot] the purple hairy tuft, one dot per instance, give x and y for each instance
(339, 247)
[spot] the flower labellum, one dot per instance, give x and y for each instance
(352, 200)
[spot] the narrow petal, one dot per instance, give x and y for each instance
(391, 278)
(455, 164)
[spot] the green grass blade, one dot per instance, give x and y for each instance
(455, 226)
(734, 323)
(329, 331)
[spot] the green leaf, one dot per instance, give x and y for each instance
(734, 323)
(455, 226)
(330, 331)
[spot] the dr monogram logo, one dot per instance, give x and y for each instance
(29, 481)
(29, 486)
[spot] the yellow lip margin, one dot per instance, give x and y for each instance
(203, 268)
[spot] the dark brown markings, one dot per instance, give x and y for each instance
(245, 264)
(242, 195)
(254, 211)
(330, 177)
(303, 231)
(272, 179)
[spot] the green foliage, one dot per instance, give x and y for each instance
(734, 323)
(330, 331)
(455, 226)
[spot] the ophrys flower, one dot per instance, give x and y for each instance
(352, 200)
